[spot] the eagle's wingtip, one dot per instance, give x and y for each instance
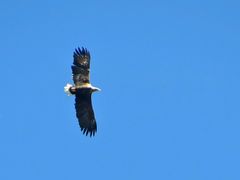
(90, 132)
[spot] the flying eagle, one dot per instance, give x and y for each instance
(82, 89)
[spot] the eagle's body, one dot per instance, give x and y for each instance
(83, 90)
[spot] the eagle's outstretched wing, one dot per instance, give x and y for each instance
(84, 111)
(81, 66)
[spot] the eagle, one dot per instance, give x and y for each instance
(82, 89)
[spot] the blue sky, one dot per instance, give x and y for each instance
(169, 74)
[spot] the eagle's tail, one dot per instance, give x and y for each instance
(67, 89)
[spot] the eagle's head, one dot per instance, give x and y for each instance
(95, 89)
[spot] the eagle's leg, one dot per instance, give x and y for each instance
(69, 89)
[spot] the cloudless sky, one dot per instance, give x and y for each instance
(169, 106)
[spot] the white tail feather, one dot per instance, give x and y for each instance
(66, 89)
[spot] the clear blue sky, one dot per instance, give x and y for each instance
(169, 73)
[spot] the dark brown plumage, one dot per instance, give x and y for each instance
(84, 111)
(83, 91)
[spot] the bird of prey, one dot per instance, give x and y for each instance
(82, 89)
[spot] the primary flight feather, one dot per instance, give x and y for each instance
(83, 90)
